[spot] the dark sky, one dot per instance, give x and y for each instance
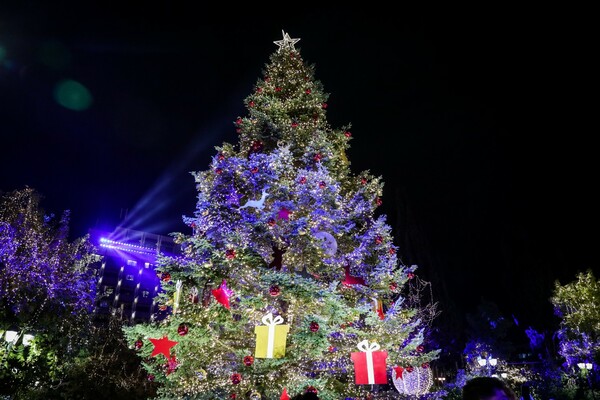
(476, 120)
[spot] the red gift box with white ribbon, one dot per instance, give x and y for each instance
(369, 364)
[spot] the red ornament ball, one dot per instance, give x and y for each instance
(182, 330)
(302, 180)
(425, 365)
(322, 185)
(138, 344)
(393, 286)
(378, 201)
(254, 170)
(308, 91)
(259, 90)
(324, 106)
(274, 291)
(233, 396)
(363, 181)
(271, 222)
(314, 326)
(294, 124)
(230, 254)
(410, 275)
(162, 307)
(218, 171)
(278, 89)
(420, 348)
(257, 145)
(312, 389)
(150, 377)
(378, 240)
(248, 361)
(317, 157)
(251, 104)
(166, 277)
(347, 134)
(392, 250)
(236, 378)
(267, 79)
(238, 121)
(409, 368)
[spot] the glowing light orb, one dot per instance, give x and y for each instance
(72, 95)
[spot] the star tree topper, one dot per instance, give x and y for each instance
(287, 42)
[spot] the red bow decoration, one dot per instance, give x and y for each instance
(284, 213)
(352, 280)
(222, 294)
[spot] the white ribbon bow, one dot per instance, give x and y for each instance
(270, 321)
(365, 346)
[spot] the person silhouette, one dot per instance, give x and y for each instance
(487, 388)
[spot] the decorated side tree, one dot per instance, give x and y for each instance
(46, 295)
(50, 344)
(577, 306)
(290, 283)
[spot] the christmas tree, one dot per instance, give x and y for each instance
(289, 283)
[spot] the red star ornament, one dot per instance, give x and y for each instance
(399, 371)
(162, 346)
(222, 294)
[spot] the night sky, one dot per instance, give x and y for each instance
(478, 122)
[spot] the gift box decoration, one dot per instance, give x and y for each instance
(369, 364)
(271, 338)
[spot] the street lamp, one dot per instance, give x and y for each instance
(586, 368)
(487, 362)
(12, 335)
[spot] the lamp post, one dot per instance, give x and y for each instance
(488, 363)
(586, 368)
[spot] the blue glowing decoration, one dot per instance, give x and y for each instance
(128, 247)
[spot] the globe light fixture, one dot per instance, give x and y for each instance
(586, 366)
(27, 338)
(11, 335)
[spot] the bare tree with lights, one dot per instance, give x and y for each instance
(289, 283)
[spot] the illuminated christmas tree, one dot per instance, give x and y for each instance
(289, 282)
